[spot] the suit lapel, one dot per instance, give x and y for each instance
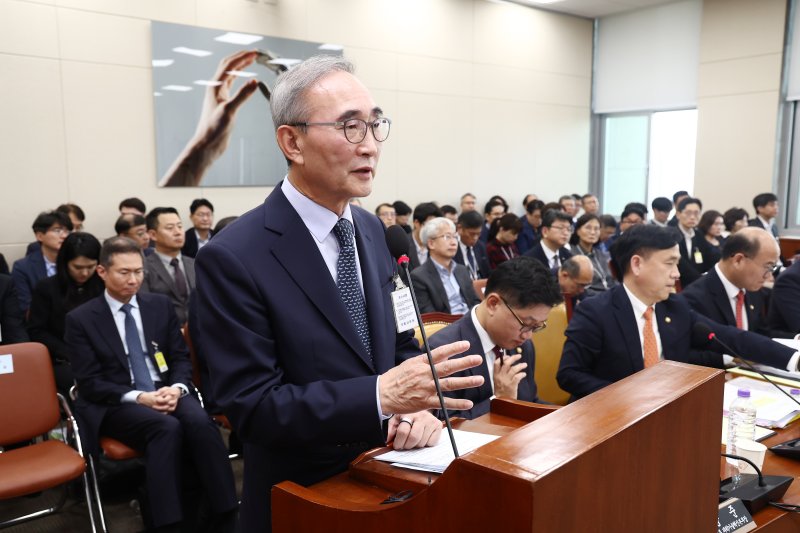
(628, 326)
(437, 285)
(467, 332)
(299, 255)
(108, 331)
(149, 326)
(161, 271)
(720, 297)
(372, 289)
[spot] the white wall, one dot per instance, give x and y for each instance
(485, 97)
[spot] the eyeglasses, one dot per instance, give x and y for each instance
(566, 229)
(446, 237)
(355, 129)
(58, 230)
(523, 327)
(769, 268)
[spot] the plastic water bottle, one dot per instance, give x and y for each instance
(741, 423)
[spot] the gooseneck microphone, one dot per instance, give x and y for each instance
(397, 241)
(702, 334)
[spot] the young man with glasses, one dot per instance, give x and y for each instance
(441, 284)
(696, 253)
(551, 250)
(641, 322)
(50, 229)
(519, 295)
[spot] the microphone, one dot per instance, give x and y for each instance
(755, 490)
(703, 335)
(397, 241)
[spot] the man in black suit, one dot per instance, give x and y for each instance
(441, 284)
(132, 368)
(552, 250)
(493, 209)
(640, 322)
(471, 252)
(729, 292)
(134, 227)
(784, 305)
(202, 216)
(519, 296)
(12, 328)
(676, 199)
(766, 206)
(696, 253)
(417, 251)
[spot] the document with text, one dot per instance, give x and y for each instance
(437, 458)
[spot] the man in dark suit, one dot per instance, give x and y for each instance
(417, 251)
(471, 252)
(552, 250)
(134, 227)
(12, 328)
(638, 323)
(202, 216)
(730, 292)
(167, 271)
(531, 225)
(132, 368)
(784, 305)
(295, 305)
(519, 296)
(676, 199)
(441, 284)
(696, 254)
(50, 228)
(766, 207)
(493, 209)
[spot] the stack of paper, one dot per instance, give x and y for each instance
(773, 408)
(437, 458)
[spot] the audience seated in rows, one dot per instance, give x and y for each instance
(471, 251)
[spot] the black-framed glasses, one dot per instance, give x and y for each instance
(355, 129)
(523, 327)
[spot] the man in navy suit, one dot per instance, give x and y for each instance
(201, 213)
(730, 292)
(519, 295)
(471, 251)
(784, 305)
(639, 322)
(551, 250)
(295, 305)
(442, 285)
(766, 207)
(12, 323)
(696, 253)
(132, 368)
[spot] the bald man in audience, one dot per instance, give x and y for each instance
(575, 274)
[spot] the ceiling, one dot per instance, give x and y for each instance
(594, 8)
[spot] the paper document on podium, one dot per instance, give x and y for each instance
(773, 409)
(437, 458)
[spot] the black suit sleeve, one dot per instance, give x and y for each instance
(180, 365)
(41, 317)
(581, 355)
(12, 329)
(785, 301)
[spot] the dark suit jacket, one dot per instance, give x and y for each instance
(481, 259)
(3, 265)
(190, 243)
(538, 253)
(12, 329)
(99, 361)
(157, 279)
(288, 366)
(464, 330)
(755, 222)
(528, 237)
(784, 305)
(430, 292)
(413, 257)
(707, 296)
(603, 343)
(690, 270)
(27, 272)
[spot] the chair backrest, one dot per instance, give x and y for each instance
(27, 392)
(434, 322)
(549, 344)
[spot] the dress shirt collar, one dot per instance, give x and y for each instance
(487, 345)
(764, 222)
(730, 289)
(167, 259)
(443, 271)
(687, 234)
(550, 254)
(319, 220)
(49, 266)
(639, 307)
(116, 305)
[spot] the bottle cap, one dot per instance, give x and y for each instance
(743, 393)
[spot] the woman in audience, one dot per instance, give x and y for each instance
(502, 244)
(734, 219)
(75, 283)
(711, 225)
(585, 240)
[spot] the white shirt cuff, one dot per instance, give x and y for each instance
(381, 415)
(792, 365)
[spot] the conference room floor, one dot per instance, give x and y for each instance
(119, 491)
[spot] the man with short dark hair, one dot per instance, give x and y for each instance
(661, 209)
(442, 285)
(418, 251)
(132, 206)
(567, 202)
(519, 295)
(50, 229)
(766, 206)
(552, 248)
(448, 211)
(471, 251)
(134, 227)
(531, 225)
(729, 293)
(493, 209)
(167, 271)
(676, 199)
(133, 374)
(402, 212)
(696, 253)
(590, 204)
(202, 215)
(640, 322)
(386, 213)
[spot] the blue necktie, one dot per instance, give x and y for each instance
(347, 281)
(141, 375)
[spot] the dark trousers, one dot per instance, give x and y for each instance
(164, 439)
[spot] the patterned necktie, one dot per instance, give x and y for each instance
(141, 375)
(556, 264)
(471, 261)
(180, 279)
(347, 281)
(650, 343)
(740, 309)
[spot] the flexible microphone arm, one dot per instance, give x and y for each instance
(761, 482)
(403, 262)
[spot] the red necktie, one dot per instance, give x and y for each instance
(740, 309)
(650, 343)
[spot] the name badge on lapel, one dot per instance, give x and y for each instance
(403, 306)
(159, 357)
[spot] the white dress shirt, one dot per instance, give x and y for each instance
(487, 346)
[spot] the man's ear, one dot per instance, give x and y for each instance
(291, 143)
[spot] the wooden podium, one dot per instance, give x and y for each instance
(639, 455)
